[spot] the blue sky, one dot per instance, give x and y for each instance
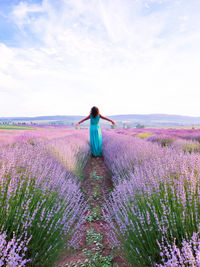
(124, 56)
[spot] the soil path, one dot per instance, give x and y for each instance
(94, 249)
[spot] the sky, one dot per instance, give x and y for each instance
(124, 56)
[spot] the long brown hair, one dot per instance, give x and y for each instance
(94, 111)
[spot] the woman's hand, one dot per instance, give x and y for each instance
(113, 123)
(77, 124)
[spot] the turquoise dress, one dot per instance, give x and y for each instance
(95, 136)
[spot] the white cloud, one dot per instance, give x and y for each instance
(21, 14)
(123, 56)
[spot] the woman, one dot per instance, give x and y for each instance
(95, 131)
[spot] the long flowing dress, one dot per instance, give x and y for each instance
(95, 136)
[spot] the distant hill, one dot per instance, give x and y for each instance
(159, 119)
(129, 120)
(42, 118)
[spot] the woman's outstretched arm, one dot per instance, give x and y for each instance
(86, 118)
(104, 118)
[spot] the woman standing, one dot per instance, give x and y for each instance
(95, 131)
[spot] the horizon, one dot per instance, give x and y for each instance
(134, 114)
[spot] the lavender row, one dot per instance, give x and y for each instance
(155, 201)
(40, 195)
(189, 134)
(185, 139)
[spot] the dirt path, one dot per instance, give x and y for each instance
(94, 250)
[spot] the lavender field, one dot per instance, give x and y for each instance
(153, 210)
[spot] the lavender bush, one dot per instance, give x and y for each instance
(187, 255)
(162, 139)
(187, 145)
(72, 151)
(12, 253)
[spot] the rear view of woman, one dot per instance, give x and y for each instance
(95, 131)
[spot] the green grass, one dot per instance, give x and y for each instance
(15, 127)
(144, 135)
(95, 214)
(94, 255)
(95, 176)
